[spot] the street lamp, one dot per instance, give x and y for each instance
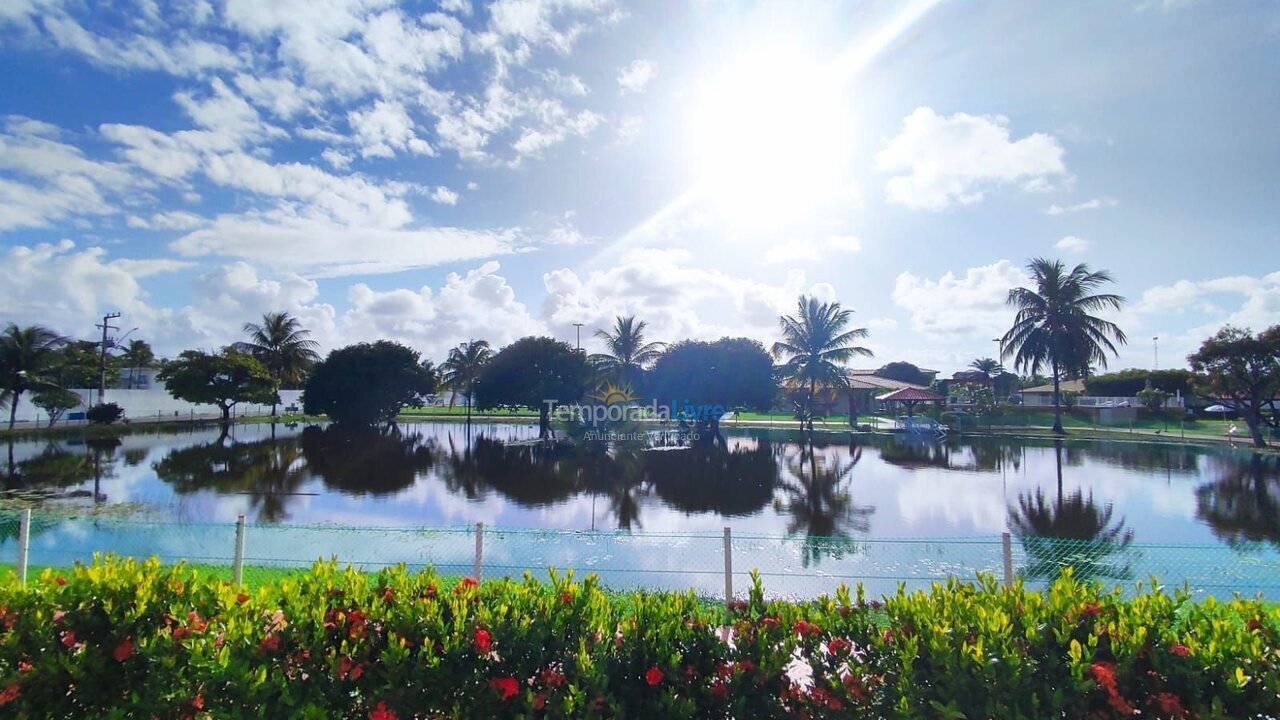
(579, 327)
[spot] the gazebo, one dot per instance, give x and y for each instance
(909, 397)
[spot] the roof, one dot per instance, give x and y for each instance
(875, 382)
(911, 394)
(866, 371)
(1064, 386)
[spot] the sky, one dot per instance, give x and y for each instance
(433, 172)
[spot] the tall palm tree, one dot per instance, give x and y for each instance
(284, 346)
(817, 343)
(27, 355)
(628, 354)
(462, 368)
(1054, 326)
(1073, 531)
(138, 355)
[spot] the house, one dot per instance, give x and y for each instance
(143, 378)
(1042, 395)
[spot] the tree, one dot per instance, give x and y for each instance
(1153, 399)
(79, 363)
(104, 413)
(816, 343)
(137, 355)
(701, 381)
(987, 366)
(538, 373)
(224, 379)
(904, 372)
(27, 356)
(628, 355)
(1242, 371)
(1128, 383)
(367, 384)
(463, 366)
(55, 402)
(284, 347)
(1054, 326)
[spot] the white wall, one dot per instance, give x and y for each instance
(144, 405)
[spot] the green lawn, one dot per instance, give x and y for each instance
(461, 411)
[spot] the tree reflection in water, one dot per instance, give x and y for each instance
(373, 461)
(816, 496)
(269, 472)
(1243, 504)
(1073, 531)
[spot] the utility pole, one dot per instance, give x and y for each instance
(1155, 351)
(102, 362)
(579, 326)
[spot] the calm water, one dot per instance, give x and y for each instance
(1108, 495)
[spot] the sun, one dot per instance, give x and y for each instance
(611, 394)
(771, 136)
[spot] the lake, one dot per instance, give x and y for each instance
(907, 509)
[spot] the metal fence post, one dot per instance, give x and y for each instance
(237, 563)
(24, 544)
(1007, 542)
(479, 549)
(728, 566)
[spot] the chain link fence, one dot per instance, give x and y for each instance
(713, 565)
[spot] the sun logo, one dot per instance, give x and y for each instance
(612, 394)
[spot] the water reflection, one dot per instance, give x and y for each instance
(817, 501)
(1243, 503)
(1071, 531)
(374, 461)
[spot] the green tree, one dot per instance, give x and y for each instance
(137, 355)
(284, 347)
(628, 355)
(78, 364)
(538, 373)
(816, 343)
(1153, 399)
(701, 381)
(905, 372)
(1054, 326)
(55, 402)
(27, 358)
(987, 366)
(367, 384)
(462, 368)
(1242, 371)
(225, 379)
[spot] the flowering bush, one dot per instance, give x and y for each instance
(122, 638)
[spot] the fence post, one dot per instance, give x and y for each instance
(728, 566)
(237, 564)
(1007, 542)
(479, 549)
(24, 544)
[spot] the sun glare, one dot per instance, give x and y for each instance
(771, 137)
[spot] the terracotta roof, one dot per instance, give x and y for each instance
(1064, 386)
(908, 394)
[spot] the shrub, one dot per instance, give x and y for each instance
(127, 639)
(104, 413)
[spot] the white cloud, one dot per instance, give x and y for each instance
(1072, 244)
(635, 77)
(320, 248)
(809, 250)
(954, 160)
(570, 85)
(338, 159)
(385, 128)
(957, 306)
(1092, 204)
(462, 7)
(176, 53)
(629, 128)
(444, 196)
(171, 220)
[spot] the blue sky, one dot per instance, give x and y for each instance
(438, 171)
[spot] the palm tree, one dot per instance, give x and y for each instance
(818, 344)
(820, 504)
(628, 354)
(1054, 326)
(284, 346)
(462, 368)
(138, 355)
(26, 356)
(1074, 531)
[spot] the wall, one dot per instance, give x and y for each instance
(142, 405)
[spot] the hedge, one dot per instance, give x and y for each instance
(122, 638)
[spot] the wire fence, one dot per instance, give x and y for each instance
(713, 565)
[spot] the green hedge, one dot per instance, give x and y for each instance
(123, 639)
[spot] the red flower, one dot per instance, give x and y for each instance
(551, 677)
(505, 686)
(464, 584)
(430, 592)
(769, 622)
(382, 712)
(179, 633)
(24, 666)
(887, 636)
(720, 689)
(196, 703)
(1167, 704)
(388, 594)
(1180, 650)
(853, 684)
(270, 643)
(804, 628)
(123, 650)
(746, 666)
(653, 676)
(242, 598)
(60, 580)
(483, 641)
(10, 694)
(68, 639)
(1253, 624)
(355, 623)
(1090, 609)
(835, 646)
(539, 701)
(844, 610)
(737, 605)
(601, 703)
(566, 597)
(876, 604)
